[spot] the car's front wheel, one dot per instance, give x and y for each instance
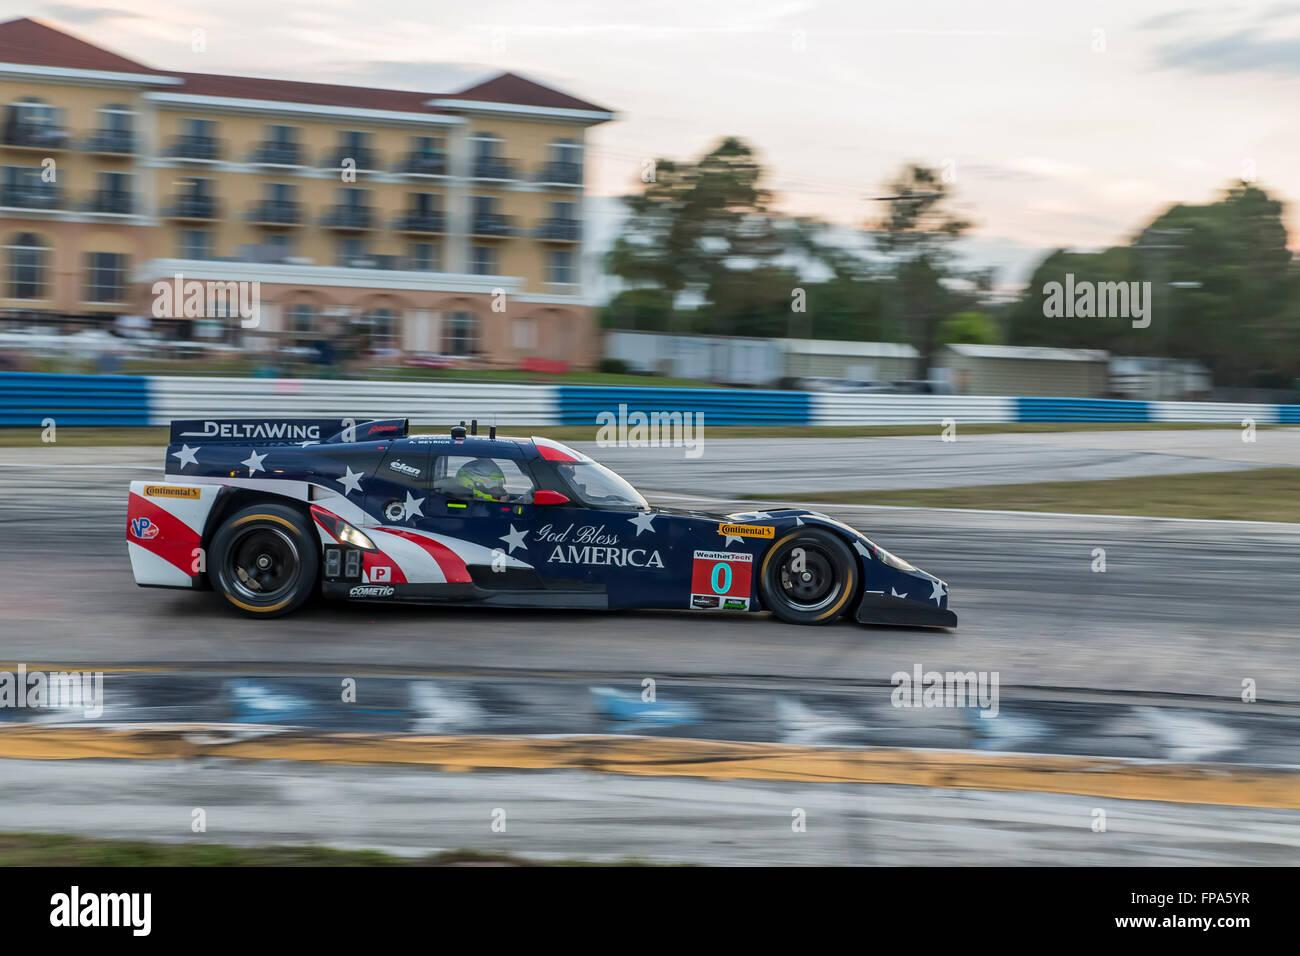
(264, 560)
(808, 577)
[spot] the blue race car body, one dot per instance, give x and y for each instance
(266, 511)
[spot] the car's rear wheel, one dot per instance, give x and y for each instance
(808, 577)
(264, 560)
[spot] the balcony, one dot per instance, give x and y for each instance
(559, 230)
(493, 225)
(348, 217)
(424, 164)
(195, 147)
(35, 135)
(560, 174)
(416, 221)
(112, 201)
(270, 153)
(363, 157)
(271, 212)
(110, 143)
(493, 167)
(191, 207)
(31, 197)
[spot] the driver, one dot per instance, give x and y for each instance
(482, 479)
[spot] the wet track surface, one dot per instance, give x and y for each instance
(1184, 608)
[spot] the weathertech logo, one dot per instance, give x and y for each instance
(171, 491)
(368, 590)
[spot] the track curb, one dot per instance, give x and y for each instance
(1115, 778)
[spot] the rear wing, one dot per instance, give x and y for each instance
(270, 431)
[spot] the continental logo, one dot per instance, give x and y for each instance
(747, 530)
(171, 491)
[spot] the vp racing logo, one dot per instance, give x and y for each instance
(144, 529)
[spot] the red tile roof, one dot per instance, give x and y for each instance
(515, 89)
(294, 91)
(31, 42)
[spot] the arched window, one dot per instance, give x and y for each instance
(28, 261)
(302, 318)
(380, 329)
(460, 336)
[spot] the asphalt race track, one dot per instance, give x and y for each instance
(1184, 607)
(737, 467)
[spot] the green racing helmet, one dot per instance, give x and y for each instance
(483, 479)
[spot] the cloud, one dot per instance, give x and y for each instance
(1243, 51)
(70, 13)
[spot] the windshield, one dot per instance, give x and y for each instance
(598, 486)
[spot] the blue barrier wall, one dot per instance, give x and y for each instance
(580, 404)
(27, 398)
(1046, 409)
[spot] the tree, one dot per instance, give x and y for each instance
(916, 235)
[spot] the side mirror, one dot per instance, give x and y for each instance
(546, 497)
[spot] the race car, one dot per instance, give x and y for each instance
(271, 512)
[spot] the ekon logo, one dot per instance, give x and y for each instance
(183, 298)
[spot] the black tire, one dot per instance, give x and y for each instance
(264, 560)
(809, 576)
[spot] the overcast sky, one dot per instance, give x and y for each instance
(1065, 123)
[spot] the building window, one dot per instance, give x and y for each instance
(426, 257)
(559, 267)
(28, 258)
(460, 336)
(195, 244)
(483, 260)
(352, 253)
(106, 277)
(380, 329)
(302, 322)
(523, 335)
(196, 128)
(562, 210)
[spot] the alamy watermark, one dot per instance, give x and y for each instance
(946, 689)
(624, 429)
(182, 298)
(1098, 300)
(55, 690)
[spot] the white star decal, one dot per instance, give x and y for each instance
(938, 592)
(760, 516)
(515, 539)
(893, 593)
(862, 549)
(351, 481)
(731, 538)
(413, 506)
(254, 462)
(799, 521)
(186, 455)
(643, 522)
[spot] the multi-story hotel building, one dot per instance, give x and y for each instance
(432, 223)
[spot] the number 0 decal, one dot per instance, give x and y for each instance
(721, 570)
(721, 580)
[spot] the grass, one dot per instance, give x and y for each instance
(40, 849)
(1261, 494)
(86, 437)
